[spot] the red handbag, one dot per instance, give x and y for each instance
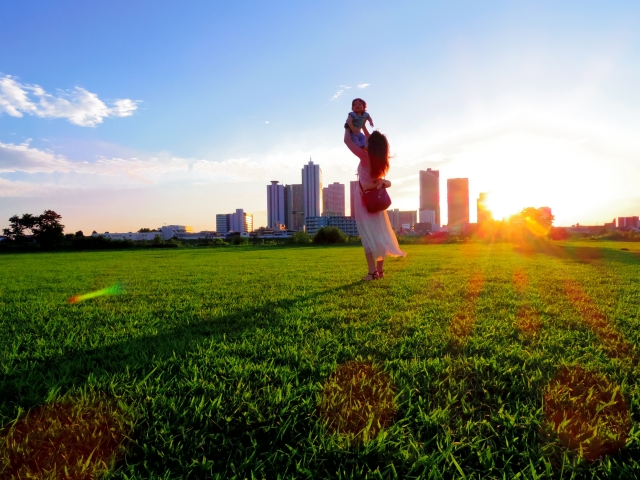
(376, 199)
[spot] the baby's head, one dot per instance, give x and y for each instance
(358, 106)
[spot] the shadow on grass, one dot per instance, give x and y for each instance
(30, 386)
(40, 380)
(576, 253)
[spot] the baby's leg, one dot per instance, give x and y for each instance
(359, 139)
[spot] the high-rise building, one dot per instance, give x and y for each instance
(294, 211)
(222, 223)
(333, 200)
(628, 222)
(484, 214)
(430, 192)
(458, 202)
(312, 189)
(240, 221)
(354, 193)
(276, 205)
(427, 216)
(234, 222)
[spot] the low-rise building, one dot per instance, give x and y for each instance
(166, 232)
(398, 218)
(133, 236)
(345, 224)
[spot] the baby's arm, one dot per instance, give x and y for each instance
(351, 126)
(370, 120)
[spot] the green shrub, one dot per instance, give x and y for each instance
(238, 240)
(216, 242)
(300, 238)
(329, 235)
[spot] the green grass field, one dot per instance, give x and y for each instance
(476, 361)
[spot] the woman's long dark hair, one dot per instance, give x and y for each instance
(378, 149)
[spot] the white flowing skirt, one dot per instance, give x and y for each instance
(376, 233)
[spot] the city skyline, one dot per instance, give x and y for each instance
(185, 113)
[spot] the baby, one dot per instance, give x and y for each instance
(355, 121)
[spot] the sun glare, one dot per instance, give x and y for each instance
(534, 169)
(501, 205)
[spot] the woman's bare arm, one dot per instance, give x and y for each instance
(355, 149)
(366, 132)
(381, 182)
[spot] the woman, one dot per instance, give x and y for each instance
(376, 233)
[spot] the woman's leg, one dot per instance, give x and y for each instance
(371, 263)
(380, 268)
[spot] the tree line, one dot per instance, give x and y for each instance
(46, 229)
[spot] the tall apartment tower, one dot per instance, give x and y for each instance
(354, 192)
(458, 202)
(484, 214)
(430, 192)
(312, 189)
(333, 200)
(276, 205)
(241, 221)
(294, 210)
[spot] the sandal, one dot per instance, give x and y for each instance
(380, 274)
(370, 276)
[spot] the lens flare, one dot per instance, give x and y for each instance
(535, 228)
(116, 289)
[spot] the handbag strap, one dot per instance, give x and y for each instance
(362, 190)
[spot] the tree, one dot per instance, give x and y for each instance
(532, 221)
(79, 234)
(48, 231)
(300, 237)
(558, 233)
(144, 230)
(46, 228)
(18, 225)
(329, 235)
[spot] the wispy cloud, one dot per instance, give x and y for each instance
(343, 88)
(35, 168)
(79, 106)
(18, 189)
(23, 158)
(26, 159)
(364, 85)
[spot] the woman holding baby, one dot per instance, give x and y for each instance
(378, 239)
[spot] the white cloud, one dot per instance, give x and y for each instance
(23, 158)
(26, 159)
(364, 85)
(116, 172)
(79, 106)
(340, 92)
(16, 189)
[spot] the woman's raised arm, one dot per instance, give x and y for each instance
(364, 129)
(355, 149)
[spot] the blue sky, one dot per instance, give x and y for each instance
(121, 115)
